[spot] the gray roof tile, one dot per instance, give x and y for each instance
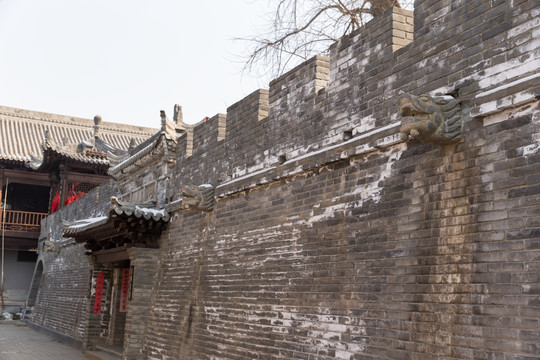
(22, 133)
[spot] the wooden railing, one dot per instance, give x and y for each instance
(22, 220)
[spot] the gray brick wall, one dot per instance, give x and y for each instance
(332, 238)
(369, 248)
(62, 300)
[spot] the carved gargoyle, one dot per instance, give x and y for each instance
(198, 197)
(430, 119)
(50, 246)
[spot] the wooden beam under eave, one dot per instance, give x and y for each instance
(115, 254)
(111, 257)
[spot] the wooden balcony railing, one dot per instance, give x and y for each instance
(22, 220)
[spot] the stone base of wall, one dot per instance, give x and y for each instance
(61, 338)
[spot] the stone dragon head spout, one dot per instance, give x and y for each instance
(198, 197)
(430, 119)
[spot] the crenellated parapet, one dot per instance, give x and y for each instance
(343, 100)
(364, 51)
(364, 82)
(315, 105)
(293, 92)
(223, 141)
(208, 134)
(247, 112)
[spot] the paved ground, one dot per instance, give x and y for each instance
(23, 343)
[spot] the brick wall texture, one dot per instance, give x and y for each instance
(62, 300)
(331, 237)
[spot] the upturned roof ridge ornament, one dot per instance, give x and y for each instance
(178, 119)
(97, 124)
(48, 141)
(431, 119)
(198, 197)
(164, 120)
(169, 128)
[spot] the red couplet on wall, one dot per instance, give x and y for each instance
(99, 292)
(124, 290)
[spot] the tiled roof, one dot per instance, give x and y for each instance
(93, 152)
(167, 138)
(139, 211)
(22, 133)
(71, 228)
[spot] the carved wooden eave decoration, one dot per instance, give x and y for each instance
(160, 147)
(125, 225)
(431, 119)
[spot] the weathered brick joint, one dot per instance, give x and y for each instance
(303, 224)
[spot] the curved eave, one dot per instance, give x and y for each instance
(88, 228)
(144, 213)
(51, 155)
(80, 226)
(166, 138)
(159, 147)
(15, 160)
(115, 170)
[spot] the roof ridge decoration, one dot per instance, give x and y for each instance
(178, 119)
(163, 143)
(94, 151)
(168, 128)
(97, 123)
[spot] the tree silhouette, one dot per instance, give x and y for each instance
(301, 29)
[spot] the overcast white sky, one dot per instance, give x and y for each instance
(126, 60)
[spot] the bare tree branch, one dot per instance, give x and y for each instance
(302, 29)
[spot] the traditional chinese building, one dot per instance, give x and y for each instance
(46, 162)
